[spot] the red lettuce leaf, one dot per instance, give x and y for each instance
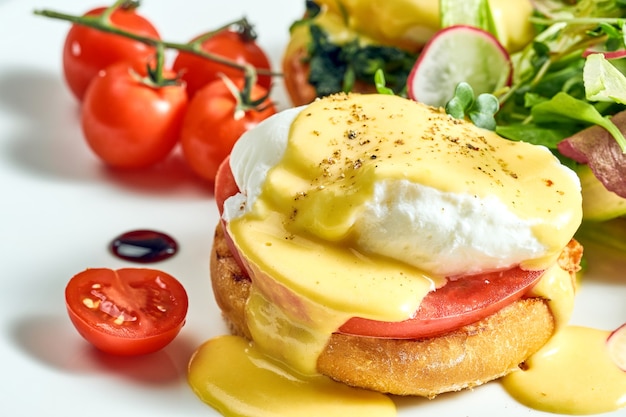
(596, 147)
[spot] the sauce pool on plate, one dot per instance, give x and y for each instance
(236, 379)
(144, 246)
(572, 374)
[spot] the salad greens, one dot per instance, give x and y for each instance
(549, 73)
(571, 77)
(337, 67)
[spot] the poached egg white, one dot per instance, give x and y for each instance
(444, 233)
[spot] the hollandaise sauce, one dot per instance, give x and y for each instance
(572, 374)
(238, 380)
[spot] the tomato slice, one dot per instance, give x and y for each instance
(225, 185)
(463, 300)
(129, 311)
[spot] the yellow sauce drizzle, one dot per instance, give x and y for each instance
(232, 376)
(558, 289)
(341, 146)
(571, 374)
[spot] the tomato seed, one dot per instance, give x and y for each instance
(88, 302)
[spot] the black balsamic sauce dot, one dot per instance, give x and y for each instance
(144, 246)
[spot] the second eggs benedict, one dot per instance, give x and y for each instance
(388, 246)
(339, 44)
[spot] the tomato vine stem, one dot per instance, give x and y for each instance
(103, 23)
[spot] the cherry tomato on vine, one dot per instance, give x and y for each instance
(129, 311)
(128, 123)
(87, 51)
(239, 47)
(214, 122)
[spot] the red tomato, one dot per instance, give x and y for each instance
(129, 124)
(212, 125)
(129, 311)
(225, 185)
(87, 51)
(198, 71)
(462, 301)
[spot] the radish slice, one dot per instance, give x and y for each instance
(617, 54)
(456, 54)
(616, 345)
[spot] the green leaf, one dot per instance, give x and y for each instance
(610, 30)
(483, 111)
(480, 111)
(603, 82)
(461, 102)
(487, 103)
(537, 135)
(335, 68)
(532, 99)
(483, 120)
(348, 79)
(381, 84)
(455, 108)
(563, 108)
(465, 94)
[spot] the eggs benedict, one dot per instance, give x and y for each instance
(338, 45)
(386, 245)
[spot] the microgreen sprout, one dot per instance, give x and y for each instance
(481, 110)
(381, 83)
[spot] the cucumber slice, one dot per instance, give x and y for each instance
(475, 13)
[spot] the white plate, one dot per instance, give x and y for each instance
(60, 209)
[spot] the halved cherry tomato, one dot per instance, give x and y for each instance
(463, 300)
(213, 124)
(87, 51)
(129, 124)
(129, 311)
(198, 71)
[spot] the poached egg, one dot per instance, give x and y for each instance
(417, 186)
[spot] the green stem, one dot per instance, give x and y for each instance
(160, 58)
(577, 20)
(102, 23)
(105, 17)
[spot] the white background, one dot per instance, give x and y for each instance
(60, 208)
